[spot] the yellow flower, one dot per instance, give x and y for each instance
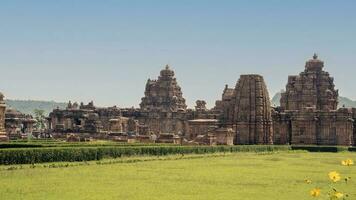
(315, 192)
(334, 176)
(337, 195)
(347, 162)
(307, 181)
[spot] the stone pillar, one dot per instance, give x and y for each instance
(3, 136)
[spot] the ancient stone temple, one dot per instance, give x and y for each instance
(18, 125)
(163, 94)
(247, 109)
(222, 106)
(3, 136)
(163, 107)
(308, 112)
(251, 111)
(312, 88)
(82, 119)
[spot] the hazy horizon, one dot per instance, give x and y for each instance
(105, 51)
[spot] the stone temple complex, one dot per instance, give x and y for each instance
(308, 114)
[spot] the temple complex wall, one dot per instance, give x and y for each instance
(83, 119)
(201, 127)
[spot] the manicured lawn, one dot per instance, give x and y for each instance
(231, 176)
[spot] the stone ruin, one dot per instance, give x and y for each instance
(3, 136)
(313, 88)
(247, 109)
(82, 119)
(163, 94)
(163, 108)
(308, 113)
(19, 125)
(14, 124)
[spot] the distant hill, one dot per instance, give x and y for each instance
(347, 102)
(28, 106)
(275, 99)
(342, 101)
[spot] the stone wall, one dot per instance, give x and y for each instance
(201, 127)
(83, 119)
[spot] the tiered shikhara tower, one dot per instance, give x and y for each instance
(247, 109)
(308, 112)
(163, 109)
(313, 88)
(3, 136)
(163, 94)
(251, 111)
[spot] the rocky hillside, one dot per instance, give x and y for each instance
(342, 101)
(28, 106)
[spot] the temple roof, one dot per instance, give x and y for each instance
(314, 64)
(167, 72)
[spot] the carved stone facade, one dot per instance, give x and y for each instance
(308, 112)
(82, 119)
(312, 88)
(247, 109)
(163, 107)
(17, 124)
(201, 127)
(124, 125)
(163, 94)
(3, 136)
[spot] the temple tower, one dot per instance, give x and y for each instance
(163, 94)
(163, 108)
(3, 136)
(313, 88)
(250, 111)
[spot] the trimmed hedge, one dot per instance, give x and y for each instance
(353, 149)
(332, 149)
(18, 145)
(59, 154)
(75, 144)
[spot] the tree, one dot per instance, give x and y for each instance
(40, 118)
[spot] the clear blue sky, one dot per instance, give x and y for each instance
(106, 50)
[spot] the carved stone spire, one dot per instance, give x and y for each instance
(163, 94)
(315, 56)
(313, 88)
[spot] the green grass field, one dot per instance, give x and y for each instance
(214, 176)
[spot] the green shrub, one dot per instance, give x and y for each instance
(353, 149)
(71, 154)
(312, 148)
